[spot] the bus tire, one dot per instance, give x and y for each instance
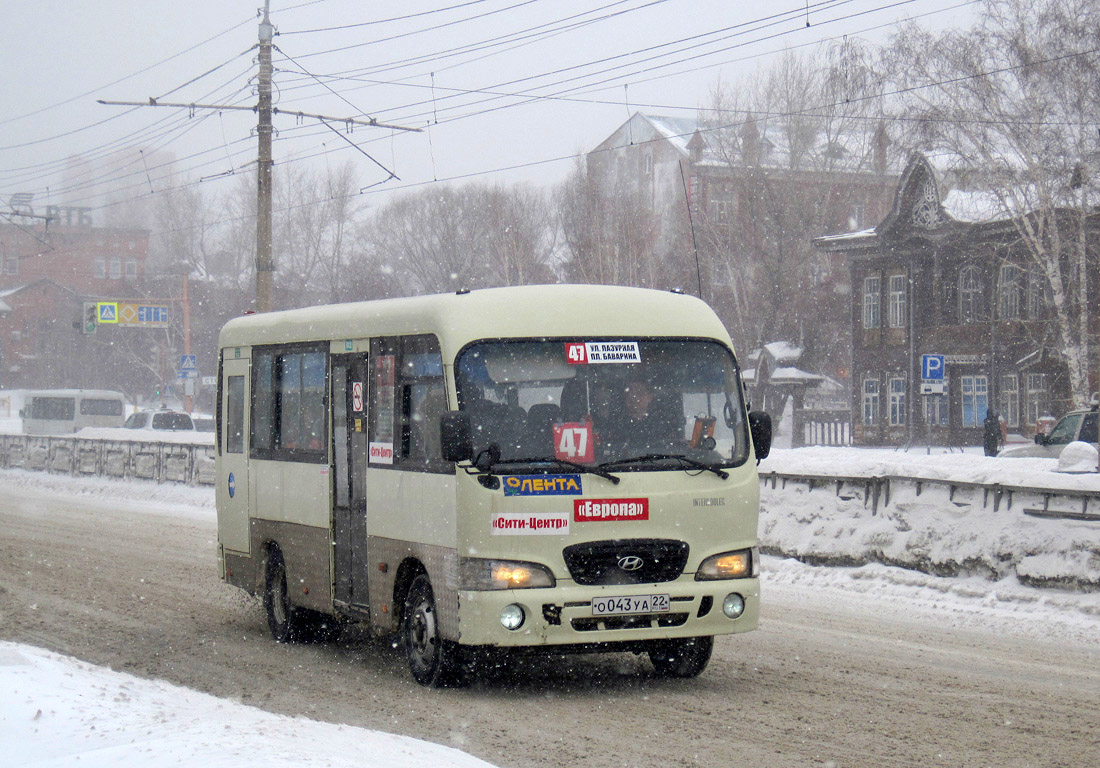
(433, 661)
(684, 657)
(285, 622)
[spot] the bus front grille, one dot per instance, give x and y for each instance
(647, 621)
(626, 561)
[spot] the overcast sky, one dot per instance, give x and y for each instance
(493, 84)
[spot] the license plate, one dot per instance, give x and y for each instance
(610, 606)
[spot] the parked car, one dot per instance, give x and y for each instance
(164, 420)
(1074, 426)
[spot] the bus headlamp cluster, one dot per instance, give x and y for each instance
(741, 564)
(483, 574)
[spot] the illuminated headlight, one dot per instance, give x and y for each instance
(734, 605)
(728, 565)
(512, 616)
(482, 574)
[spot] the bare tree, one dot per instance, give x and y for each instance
(801, 157)
(610, 237)
(469, 237)
(1015, 99)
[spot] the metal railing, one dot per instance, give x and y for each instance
(183, 463)
(876, 491)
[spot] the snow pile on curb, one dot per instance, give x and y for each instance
(935, 532)
(59, 711)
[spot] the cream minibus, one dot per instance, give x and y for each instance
(562, 468)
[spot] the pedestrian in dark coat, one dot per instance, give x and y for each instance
(992, 432)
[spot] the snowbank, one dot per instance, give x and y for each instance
(55, 710)
(935, 532)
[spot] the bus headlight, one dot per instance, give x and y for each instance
(512, 616)
(727, 565)
(482, 574)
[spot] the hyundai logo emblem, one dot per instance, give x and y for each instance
(630, 563)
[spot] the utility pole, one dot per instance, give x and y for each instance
(265, 262)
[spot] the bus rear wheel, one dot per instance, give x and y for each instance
(433, 661)
(287, 623)
(684, 657)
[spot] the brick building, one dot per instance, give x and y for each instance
(945, 273)
(755, 203)
(47, 273)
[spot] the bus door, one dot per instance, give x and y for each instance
(349, 473)
(232, 489)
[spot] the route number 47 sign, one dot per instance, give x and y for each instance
(573, 441)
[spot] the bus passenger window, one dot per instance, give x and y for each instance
(234, 415)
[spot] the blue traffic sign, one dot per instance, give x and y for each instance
(931, 367)
(188, 363)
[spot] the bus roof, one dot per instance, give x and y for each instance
(516, 312)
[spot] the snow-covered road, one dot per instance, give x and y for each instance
(867, 666)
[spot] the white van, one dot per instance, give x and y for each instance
(64, 411)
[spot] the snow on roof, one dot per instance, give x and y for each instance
(783, 351)
(677, 130)
(794, 375)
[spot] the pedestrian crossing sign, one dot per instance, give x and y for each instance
(107, 312)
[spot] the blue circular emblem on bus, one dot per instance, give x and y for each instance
(232, 485)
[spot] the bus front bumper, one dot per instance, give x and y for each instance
(565, 615)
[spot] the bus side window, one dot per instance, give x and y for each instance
(234, 415)
(408, 400)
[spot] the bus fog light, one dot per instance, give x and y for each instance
(734, 605)
(512, 616)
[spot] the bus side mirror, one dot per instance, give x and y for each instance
(760, 425)
(454, 436)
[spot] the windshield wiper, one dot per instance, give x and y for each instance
(663, 456)
(560, 462)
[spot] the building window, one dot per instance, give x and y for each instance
(648, 164)
(721, 210)
(1011, 290)
(975, 400)
(100, 267)
(871, 302)
(1010, 400)
(870, 401)
(1036, 294)
(897, 402)
(1038, 404)
(116, 268)
(131, 269)
(855, 221)
(970, 295)
(898, 300)
(936, 411)
(11, 265)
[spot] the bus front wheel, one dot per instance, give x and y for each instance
(685, 657)
(433, 661)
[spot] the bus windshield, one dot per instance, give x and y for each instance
(636, 404)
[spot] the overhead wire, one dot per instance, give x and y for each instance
(141, 71)
(493, 171)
